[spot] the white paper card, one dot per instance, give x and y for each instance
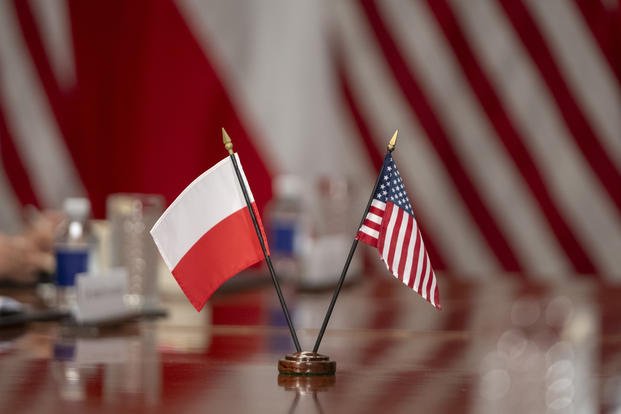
(100, 295)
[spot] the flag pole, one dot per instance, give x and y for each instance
(229, 147)
(390, 147)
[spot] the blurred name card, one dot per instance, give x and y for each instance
(100, 296)
(102, 350)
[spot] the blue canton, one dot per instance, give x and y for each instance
(391, 186)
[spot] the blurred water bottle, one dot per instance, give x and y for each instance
(332, 226)
(72, 248)
(285, 224)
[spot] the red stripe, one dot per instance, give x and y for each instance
(438, 137)
(581, 131)
(226, 249)
(392, 248)
(13, 167)
(406, 243)
(365, 238)
(372, 225)
(603, 25)
(377, 211)
(415, 260)
(423, 270)
(508, 135)
(382, 237)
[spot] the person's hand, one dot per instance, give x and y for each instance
(42, 227)
(21, 259)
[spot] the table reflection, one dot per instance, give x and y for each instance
(506, 347)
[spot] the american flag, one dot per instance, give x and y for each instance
(391, 227)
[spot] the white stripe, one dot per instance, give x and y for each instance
(388, 235)
(52, 17)
(210, 198)
(378, 204)
(437, 203)
(571, 181)
(586, 70)
(474, 139)
(30, 120)
(374, 218)
(423, 289)
(293, 105)
(397, 258)
(407, 271)
(369, 231)
(433, 288)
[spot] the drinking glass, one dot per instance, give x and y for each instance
(131, 216)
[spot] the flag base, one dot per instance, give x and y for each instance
(307, 384)
(306, 363)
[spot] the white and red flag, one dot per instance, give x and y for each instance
(207, 236)
(390, 226)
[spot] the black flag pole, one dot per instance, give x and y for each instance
(229, 147)
(391, 147)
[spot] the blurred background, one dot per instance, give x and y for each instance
(508, 111)
(509, 118)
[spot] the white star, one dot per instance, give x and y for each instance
(385, 178)
(382, 186)
(384, 192)
(389, 168)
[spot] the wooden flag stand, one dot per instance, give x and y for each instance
(306, 363)
(303, 363)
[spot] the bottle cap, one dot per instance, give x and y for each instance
(288, 186)
(77, 208)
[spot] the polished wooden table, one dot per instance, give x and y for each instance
(500, 345)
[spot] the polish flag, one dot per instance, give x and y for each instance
(206, 236)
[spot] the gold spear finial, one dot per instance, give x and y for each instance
(228, 145)
(393, 141)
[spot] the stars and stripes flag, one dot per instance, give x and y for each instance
(391, 227)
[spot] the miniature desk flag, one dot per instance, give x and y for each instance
(391, 227)
(207, 235)
(388, 224)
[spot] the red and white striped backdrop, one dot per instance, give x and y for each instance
(509, 111)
